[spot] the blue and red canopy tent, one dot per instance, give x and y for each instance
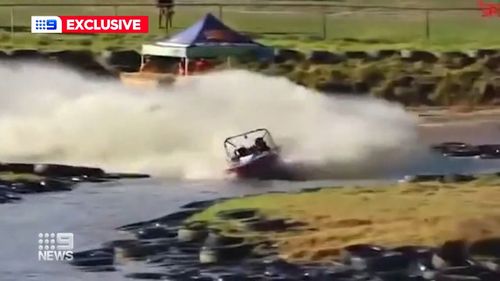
(207, 38)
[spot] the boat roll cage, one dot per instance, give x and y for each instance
(264, 133)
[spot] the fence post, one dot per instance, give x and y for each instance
(427, 25)
(324, 23)
(220, 11)
(12, 23)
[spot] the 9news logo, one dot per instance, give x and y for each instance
(46, 24)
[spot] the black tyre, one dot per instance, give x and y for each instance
(387, 262)
(423, 178)
(225, 254)
(134, 226)
(155, 232)
(232, 277)
(168, 220)
(454, 178)
(199, 204)
(360, 251)
(8, 195)
(451, 254)
(448, 145)
(148, 276)
(281, 268)
(416, 252)
(276, 225)
(175, 218)
(463, 270)
(448, 277)
(55, 185)
(486, 248)
(21, 188)
(216, 239)
(192, 232)
(98, 257)
(421, 258)
(239, 214)
(125, 176)
(489, 151)
(337, 272)
(141, 250)
(20, 168)
(54, 170)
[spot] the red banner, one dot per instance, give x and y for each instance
(489, 9)
(104, 24)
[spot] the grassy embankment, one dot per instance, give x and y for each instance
(405, 214)
(299, 28)
(12, 177)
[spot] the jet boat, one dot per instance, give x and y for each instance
(254, 155)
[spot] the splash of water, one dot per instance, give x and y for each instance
(50, 114)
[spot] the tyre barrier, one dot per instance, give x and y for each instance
(53, 170)
(215, 238)
(171, 220)
(148, 276)
(155, 232)
(225, 253)
(200, 204)
(118, 176)
(489, 151)
(25, 178)
(449, 178)
(360, 250)
(6, 196)
(194, 231)
(276, 225)
(239, 214)
(140, 250)
(26, 187)
(462, 149)
(211, 254)
(93, 258)
(386, 262)
(489, 248)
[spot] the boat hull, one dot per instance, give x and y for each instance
(267, 166)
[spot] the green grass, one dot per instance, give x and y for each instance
(404, 214)
(8, 176)
(300, 28)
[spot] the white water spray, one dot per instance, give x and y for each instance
(51, 114)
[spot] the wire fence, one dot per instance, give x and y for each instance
(286, 20)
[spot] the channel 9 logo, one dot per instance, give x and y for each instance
(46, 24)
(89, 24)
(55, 246)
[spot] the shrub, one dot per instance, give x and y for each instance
(4, 36)
(447, 92)
(369, 73)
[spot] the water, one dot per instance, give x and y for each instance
(178, 132)
(179, 136)
(92, 212)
